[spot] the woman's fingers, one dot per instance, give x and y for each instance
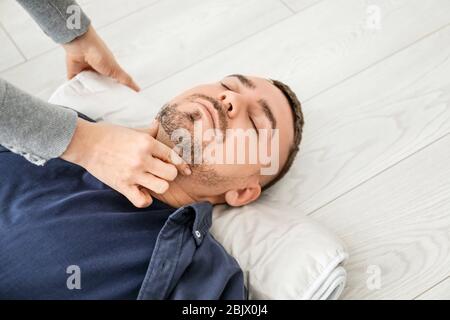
(153, 130)
(165, 153)
(124, 78)
(134, 169)
(153, 183)
(89, 51)
(164, 170)
(138, 196)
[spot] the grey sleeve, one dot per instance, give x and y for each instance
(61, 20)
(33, 128)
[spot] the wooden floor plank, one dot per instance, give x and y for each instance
(439, 292)
(371, 122)
(9, 55)
(298, 5)
(160, 40)
(318, 47)
(397, 226)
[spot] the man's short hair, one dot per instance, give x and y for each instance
(296, 108)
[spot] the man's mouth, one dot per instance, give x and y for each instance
(210, 113)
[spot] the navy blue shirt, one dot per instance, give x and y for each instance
(58, 215)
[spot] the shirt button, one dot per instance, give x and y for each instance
(198, 234)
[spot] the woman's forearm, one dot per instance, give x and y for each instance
(33, 128)
(61, 20)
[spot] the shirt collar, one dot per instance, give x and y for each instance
(201, 213)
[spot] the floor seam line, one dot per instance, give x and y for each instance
(287, 6)
(229, 46)
(379, 61)
(432, 287)
(14, 44)
(389, 167)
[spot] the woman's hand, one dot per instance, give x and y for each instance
(90, 52)
(127, 160)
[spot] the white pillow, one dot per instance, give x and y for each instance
(283, 254)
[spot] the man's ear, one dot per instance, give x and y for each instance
(241, 197)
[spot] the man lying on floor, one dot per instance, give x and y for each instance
(66, 235)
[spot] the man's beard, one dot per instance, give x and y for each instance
(171, 119)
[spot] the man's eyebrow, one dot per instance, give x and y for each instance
(246, 82)
(268, 112)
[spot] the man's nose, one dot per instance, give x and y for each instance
(234, 103)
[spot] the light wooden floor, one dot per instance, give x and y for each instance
(376, 151)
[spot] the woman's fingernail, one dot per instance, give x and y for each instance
(187, 171)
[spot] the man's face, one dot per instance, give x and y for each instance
(235, 134)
